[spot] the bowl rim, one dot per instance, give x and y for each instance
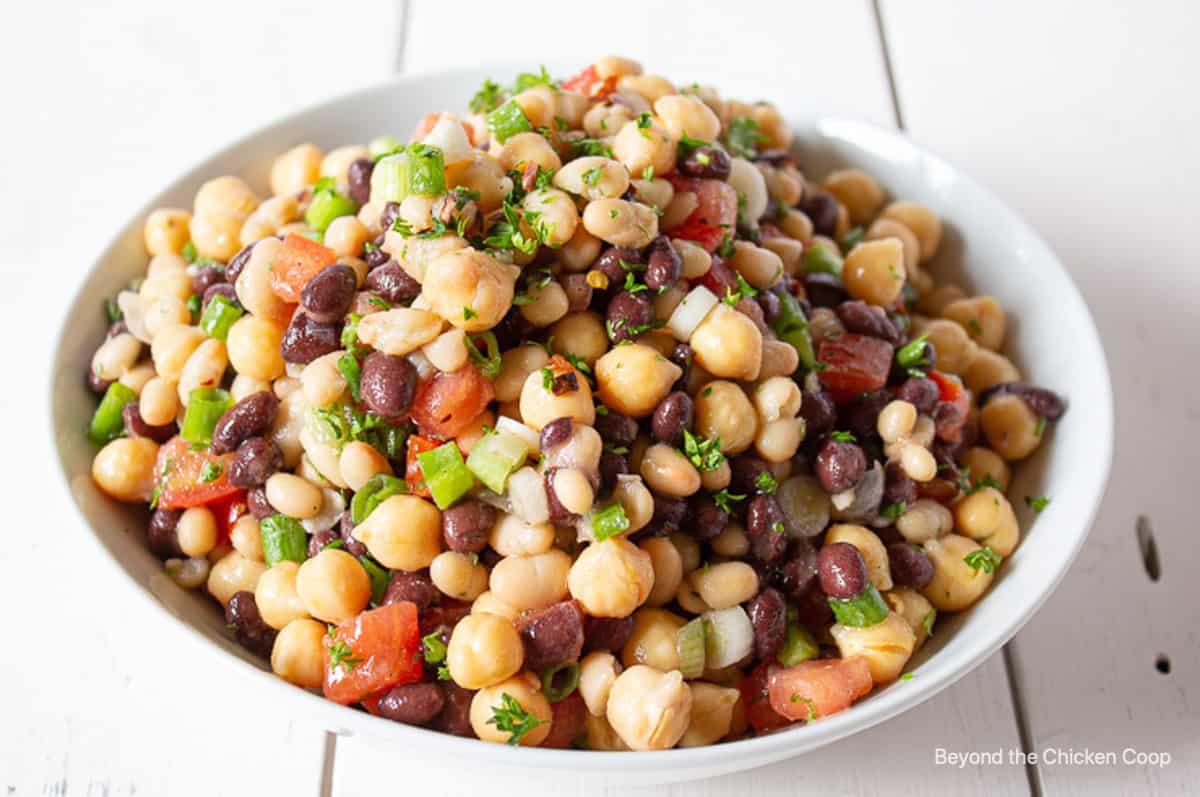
(935, 675)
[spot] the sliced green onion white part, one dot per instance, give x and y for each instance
(690, 312)
(495, 457)
(690, 644)
(527, 492)
(517, 429)
(729, 637)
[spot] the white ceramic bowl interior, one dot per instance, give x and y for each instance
(987, 249)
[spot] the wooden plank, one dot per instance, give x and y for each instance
(847, 78)
(1083, 116)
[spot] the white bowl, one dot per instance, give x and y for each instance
(1051, 337)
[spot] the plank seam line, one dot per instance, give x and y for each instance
(887, 64)
(1032, 773)
(328, 759)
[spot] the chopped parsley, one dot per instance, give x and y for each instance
(906, 677)
(777, 527)
(341, 654)
(643, 120)
(766, 483)
(984, 559)
(580, 365)
(527, 80)
(893, 511)
(1037, 504)
(704, 454)
(726, 247)
(468, 314)
(745, 289)
(547, 378)
(189, 252)
(743, 137)
(648, 173)
(725, 500)
(1040, 428)
(434, 648)
(843, 437)
(589, 146)
(812, 713)
(927, 621)
(488, 98)
(211, 472)
(510, 716)
(592, 176)
(987, 481)
(975, 326)
(632, 285)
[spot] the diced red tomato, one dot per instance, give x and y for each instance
(227, 511)
(297, 261)
(566, 721)
(179, 475)
(590, 84)
(377, 650)
(447, 404)
(819, 687)
(854, 364)
(708, 236)
(949, 424)
(714, 216)
(412, 468)
(719, 279)
(759, 714)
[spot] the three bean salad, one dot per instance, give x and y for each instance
(585, 418)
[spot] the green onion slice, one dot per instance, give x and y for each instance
(689, 643)
(609, 521)
(205, 407)
(218, 317)
(508, 120)
(108, 423)
(560, 681)
(378, 489)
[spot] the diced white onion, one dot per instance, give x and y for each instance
(690, 312)
(528, 495)
(729, 637)
(449, 136)
(135, 316)
(519, 430)
(331, 512)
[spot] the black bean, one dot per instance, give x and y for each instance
(705, 519)
(160, 533)
(139, 428)
(552, 636)
(392, 283)
(374, 255)
(206, 277)
(612, 465)
(821, 208)
(671, 418)
(823, 289)
(345, 528)
(609, 264)
(306, 339)
(842, 571)
(771, 306)
(358, 175)
(388, 216)
(250, 417)
(765, 528)
(798, 574)
(628, 315)
(555, 433)
(768, 618)
(948, 415)
(864, 319)
(414, 587)
(234, 269)
(220, 289)
(750, 308)
(248, 627)
(921, 392)
(669, 510)
(412, 704)
(387, 385)
(910, 565)
(949, 454)
(579, 292)
(95, 383)
(327, 296)
(256, 459)
(898, 488)
(861, 416)
(465, 526)
(606, 633)
(318, 541)
(812, 610)
(939, 489)
(455, 718)
(1043, 402)
(819, 413)
(513, 330)
(259, 506)
(663, 264)
(613, 428)
(708, 162)
(559, 514)
(745, 472)
(778, 158)
(839, 466)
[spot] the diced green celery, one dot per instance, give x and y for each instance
(205, 407)
(445, 473)
(283, 539)
(426, 170)
(219, 316)
(327, 205)
(108, 423)
(496, 457)
(609, 521)
(799, 645)
(508, 120)
(819, 258)
(389, 180)
(556, 685)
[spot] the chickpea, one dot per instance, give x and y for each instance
(556, 216)
(512, 536)
(580, 334)
(785, 186)
(484, 650)
(333, 586)
(795, 224)
(253, 347)
(166, 231)
(669, 472)
(727, 584)
(298, 656)
(234, 573)
(886, 646)
(538, 105)
(611, 578)
(723, 411)
(467, 279)
(772, 125)
(731, 542)
(649, 710)
(652, 641)
(531, 582)
(680, 207)
(616, 66)
(458, 576)
(484, 174)
(597, 672)
(217, 235)
(526, 148)
(987, 369)
(246, 386)
(603, 119)
(933, 302)
(580, 252)
(549, 304)
(687, 115)
(448, 351)
(790, 253)
(915, 609)
(226, 194)
(246, 537)
(858, 191)
(777, 397)
(487, 603)
(923, 223)
(599, 735)
(1010, 427)
(633, 379)
(689, 549)
(987, 517)
(276, 596)
(778, 359)
(124, 469)
(116, 356)
(668, 569)
(982, 317)
(728, 344)
(296, 169)
(778, 440)
(593, 177)
(360, 461)
(163, 312)
(983, 462)
(516, 365)
(197, 531)
(525, 689)
(874, 271)
(890, 228)
(712, 714)
(955, 350)
(640, 148)
(159, 403)
(620, 222)
(403, 533)
(346, 236)
(751, 188)
(637, 502)
(540, 405)
(955, 585)
(657, 193)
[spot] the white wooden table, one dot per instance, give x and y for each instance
(1082, 115)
